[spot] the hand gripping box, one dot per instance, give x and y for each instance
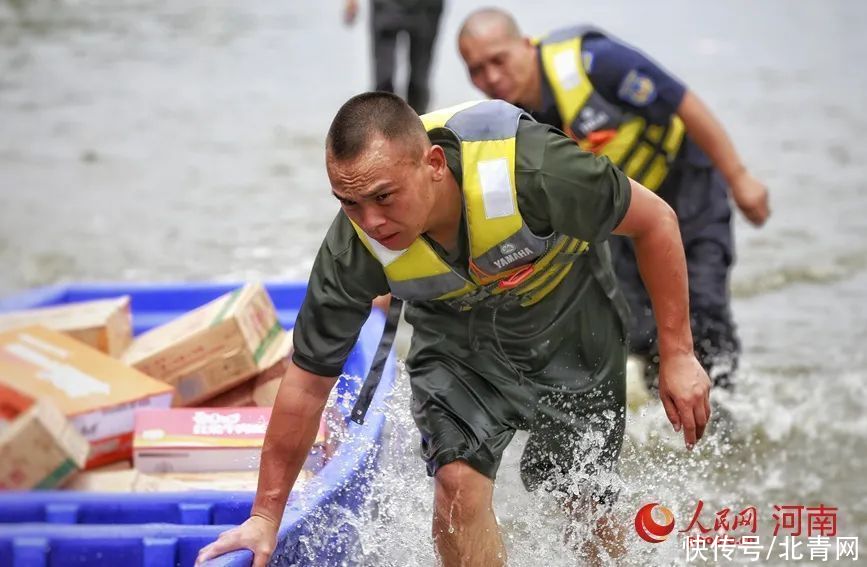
(97, 393)
(202, 439)
(104, 324)
(210, 349)
(39, 448)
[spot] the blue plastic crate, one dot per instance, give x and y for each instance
(60, 528)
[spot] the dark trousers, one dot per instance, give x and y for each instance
(699, 196)
(420, 23)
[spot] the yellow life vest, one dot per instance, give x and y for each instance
(506, 258)
(642, 151)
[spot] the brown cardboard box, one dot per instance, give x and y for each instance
(96, 392)
(104, 324)
(267, 382)
(261, 389)
(239, 396)
(266, 385)
(39, 448)
(211, 349)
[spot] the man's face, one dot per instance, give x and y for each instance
(499, 65)
(386, 191)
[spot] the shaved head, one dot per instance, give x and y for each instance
(368, 116)
(487, 20)
(384, 170)
(500, 61)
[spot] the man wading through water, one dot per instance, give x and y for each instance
(615, 101)
(492, 228)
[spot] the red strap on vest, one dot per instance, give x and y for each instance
(517, 277)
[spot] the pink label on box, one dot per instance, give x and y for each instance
(196, 426)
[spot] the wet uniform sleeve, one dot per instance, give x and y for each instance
(626, 77)
(344, 280)
(575, 192)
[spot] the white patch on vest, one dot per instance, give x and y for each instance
(385, 255)
(510, 258)
(496, 182)
(566, 68)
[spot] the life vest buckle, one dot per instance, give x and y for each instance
(517, 278)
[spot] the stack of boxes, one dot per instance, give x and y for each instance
(75, 383)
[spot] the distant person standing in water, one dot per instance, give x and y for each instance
(419, 20)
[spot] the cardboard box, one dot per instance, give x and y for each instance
(211, 349)
(97, 393)
(239, 396)
(203, 439)
(104, 324)
(267, 382)
(261, 389)
(39, 448)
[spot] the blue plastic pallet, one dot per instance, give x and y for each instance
(66, 528)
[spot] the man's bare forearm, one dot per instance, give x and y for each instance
(711, 137)
(654, 230)
(661, 263)
(291, 432)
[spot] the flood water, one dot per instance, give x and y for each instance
(183, 141)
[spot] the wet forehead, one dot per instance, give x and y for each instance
(380, 164)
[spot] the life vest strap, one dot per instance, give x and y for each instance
(368, 388)
(517, 278)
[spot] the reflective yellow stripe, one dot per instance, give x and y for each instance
(569, 98)
(628, 134)
(654, 133)
(474, 156)
(656, 174)
(416, 262)
(546, 273)
(548, 288)
(638, 159)
(649, 146)
(674, 138)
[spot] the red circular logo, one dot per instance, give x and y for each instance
(648, 528)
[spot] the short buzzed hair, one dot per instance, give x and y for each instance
(484, 18)
(366, 115)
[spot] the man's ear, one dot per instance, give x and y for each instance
(436, 160)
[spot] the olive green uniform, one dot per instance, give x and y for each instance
(556, 368)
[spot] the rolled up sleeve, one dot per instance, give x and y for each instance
(344, 280)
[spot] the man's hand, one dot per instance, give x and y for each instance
(751, 197)
(382, 302)
(258, 534)
(684, 389)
